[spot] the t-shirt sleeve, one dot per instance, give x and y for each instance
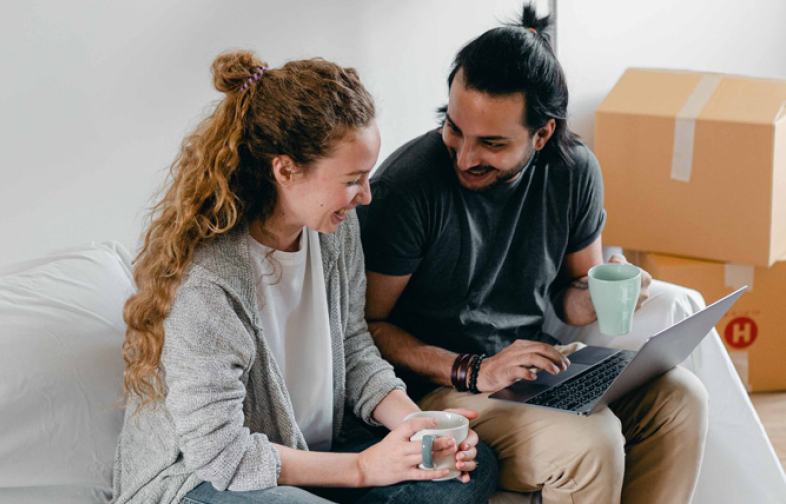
(393, 230)
(588, 216)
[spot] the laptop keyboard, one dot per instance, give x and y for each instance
(582, 389)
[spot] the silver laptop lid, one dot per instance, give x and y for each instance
(666, 349)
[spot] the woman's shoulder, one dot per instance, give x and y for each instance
(224, 259)
(207, 315)
(221, 270)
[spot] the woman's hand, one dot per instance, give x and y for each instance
(465, 458)
(396, 458)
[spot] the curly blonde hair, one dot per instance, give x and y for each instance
(222, 177)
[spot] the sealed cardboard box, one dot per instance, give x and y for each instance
(694, 165)
(754, 330)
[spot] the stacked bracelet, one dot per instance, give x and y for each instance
(473, 380)
(454, 370)
(464, 373)
(458, 374)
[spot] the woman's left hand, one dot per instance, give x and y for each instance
(465, 456)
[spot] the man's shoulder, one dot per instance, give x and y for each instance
(583, 157)
(584, 163)
(580, 155)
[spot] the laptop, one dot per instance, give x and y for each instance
(597, 376)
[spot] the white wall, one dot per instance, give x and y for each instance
(407, 50)
(96, 96)
(597, 40)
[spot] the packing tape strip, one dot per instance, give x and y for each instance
(685, 126)
(739, 275)
(781, 112)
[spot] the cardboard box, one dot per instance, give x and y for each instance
(754, 330)
(694, 165)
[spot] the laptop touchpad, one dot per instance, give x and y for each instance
(591, 355)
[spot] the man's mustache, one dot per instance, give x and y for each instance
(474, 169)
(481, 169)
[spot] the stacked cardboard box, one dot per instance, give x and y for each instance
(754, 330)
(694, 165)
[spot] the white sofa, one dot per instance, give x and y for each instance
(61, 331)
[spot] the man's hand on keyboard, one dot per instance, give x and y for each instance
(513, 363)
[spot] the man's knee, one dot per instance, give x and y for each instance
(684, 394)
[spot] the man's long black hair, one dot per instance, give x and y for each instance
(514, 59)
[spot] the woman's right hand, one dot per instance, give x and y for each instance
(396, 458)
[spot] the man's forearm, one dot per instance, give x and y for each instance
(574, 305)
(404, 350)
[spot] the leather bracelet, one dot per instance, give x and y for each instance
(463, 372)
(455, 368)
(473, 380)
(470, 367)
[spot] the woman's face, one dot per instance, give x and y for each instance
(321, 197)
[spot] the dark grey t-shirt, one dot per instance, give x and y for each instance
(483, 264)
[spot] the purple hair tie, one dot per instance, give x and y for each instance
(259, 72)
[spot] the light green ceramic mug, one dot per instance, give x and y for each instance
(614, 289)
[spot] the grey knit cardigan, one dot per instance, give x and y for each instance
(225, 397)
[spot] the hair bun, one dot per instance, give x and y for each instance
(531, 21)
(231, 69)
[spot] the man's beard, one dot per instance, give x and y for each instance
(504, 177)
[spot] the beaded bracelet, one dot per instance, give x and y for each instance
(473, 380)
(470, 367)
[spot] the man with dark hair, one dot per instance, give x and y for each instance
(473, 230)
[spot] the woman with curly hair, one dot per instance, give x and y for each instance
(249, 366)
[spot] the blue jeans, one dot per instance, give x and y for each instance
(482, 484)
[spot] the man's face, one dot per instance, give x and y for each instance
(486, 136)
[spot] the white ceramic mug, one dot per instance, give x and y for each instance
(450, 424)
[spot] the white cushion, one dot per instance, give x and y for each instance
(61, 370)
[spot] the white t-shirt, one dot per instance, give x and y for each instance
(292, 304)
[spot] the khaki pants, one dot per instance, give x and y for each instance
(644, 448)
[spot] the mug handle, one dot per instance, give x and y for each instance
(425, 450)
